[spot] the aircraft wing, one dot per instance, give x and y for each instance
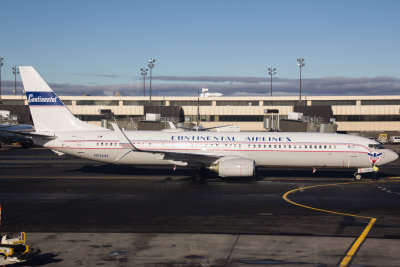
(178, 158)
(32, 134)
(201, 128)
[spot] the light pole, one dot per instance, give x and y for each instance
(15, 72)
(271, 71)
(300, 64)
(1, 65)
(151, 66)
(144, 73)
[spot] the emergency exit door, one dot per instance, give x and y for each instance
(80, 146)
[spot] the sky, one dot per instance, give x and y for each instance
(98, 47)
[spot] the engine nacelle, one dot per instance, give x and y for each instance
(234, 167)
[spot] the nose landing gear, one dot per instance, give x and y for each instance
(357, 176)
(374, 170)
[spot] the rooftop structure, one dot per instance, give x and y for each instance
(351, 113)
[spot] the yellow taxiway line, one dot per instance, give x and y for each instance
(358, 242)
(393, 178)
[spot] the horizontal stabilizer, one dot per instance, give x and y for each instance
(32, 134)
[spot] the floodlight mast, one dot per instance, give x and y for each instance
(151, 65)
(271, 71)
(1, 65)
(300, 64)
(144, 73)
(15, 72)
(198, 110)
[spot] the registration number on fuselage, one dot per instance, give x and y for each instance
(100, 155)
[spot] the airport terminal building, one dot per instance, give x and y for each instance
(371, 114)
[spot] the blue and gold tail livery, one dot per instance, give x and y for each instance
(49, 114)
(43, 99)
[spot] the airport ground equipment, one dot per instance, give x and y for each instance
(15, 133)
(382, 138)
(394, 140)
(13, 250)
(357, 175)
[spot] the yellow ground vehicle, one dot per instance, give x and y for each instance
(13, 250)
(382, 138)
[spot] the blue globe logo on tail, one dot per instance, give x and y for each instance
(43, 99)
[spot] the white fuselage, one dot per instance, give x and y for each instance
(227, 153)
(265, 148)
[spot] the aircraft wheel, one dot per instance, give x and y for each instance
(26, 144)
(196, 177)
(357, 176)
(199, 175)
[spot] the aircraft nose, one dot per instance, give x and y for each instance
(391, 156)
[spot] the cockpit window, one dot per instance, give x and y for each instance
(376, 146)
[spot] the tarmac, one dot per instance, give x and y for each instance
(82, 213)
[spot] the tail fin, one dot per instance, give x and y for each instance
(49, 114)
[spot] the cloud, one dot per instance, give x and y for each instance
(234, 86)
(99, 75)
(283, 86)
(213, 79)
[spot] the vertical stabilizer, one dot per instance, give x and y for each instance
(49, 114)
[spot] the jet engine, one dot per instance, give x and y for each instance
(227, 167)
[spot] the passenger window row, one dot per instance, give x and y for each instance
(230, 146)
(106, 144)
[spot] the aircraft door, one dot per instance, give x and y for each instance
(352, 155)
(80, 146)
(353, 150)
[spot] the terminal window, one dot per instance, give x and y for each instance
(67, 102)
(381, 102)
(13, 102)
(237, 103)
(190, 103)
(137, 103)
(367, 117)
(241, 118)
(280, 103)
(333, 102)
(97, 102)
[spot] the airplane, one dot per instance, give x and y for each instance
(10, 133)
(204, 93)
(210, 94)
(229, 154)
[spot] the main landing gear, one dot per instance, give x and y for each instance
(200, 175)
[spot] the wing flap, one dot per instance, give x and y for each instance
(177, 158)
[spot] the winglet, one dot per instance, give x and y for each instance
(171, 125)
(123, 139)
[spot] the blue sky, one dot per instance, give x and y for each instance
(350, 47)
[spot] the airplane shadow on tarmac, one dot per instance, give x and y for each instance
(112, 169)
(262, 173)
